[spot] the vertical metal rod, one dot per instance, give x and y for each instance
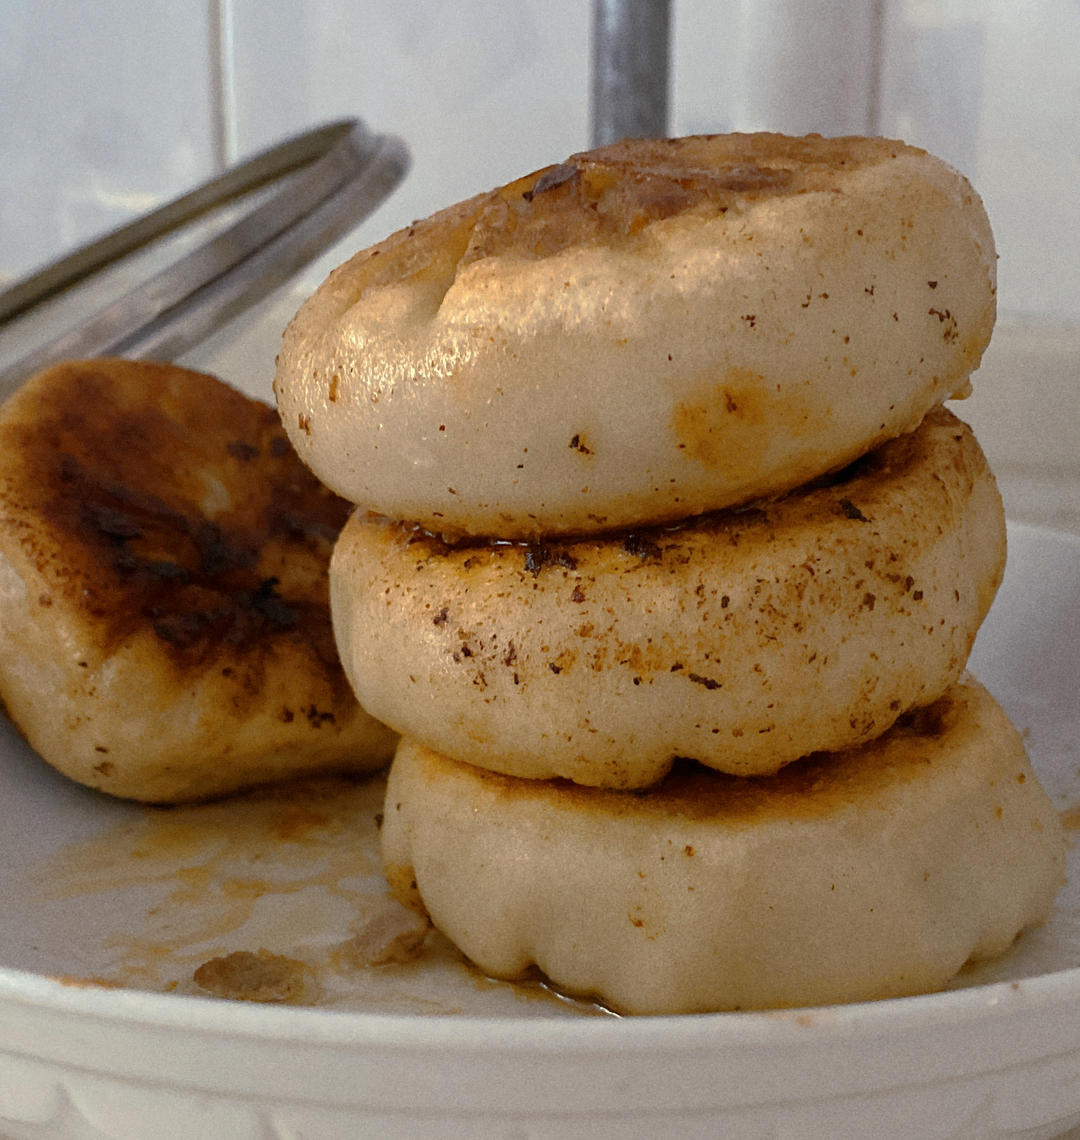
(877, 68)
(222, 84)
(630, 63)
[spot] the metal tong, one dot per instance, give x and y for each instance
(330, 178)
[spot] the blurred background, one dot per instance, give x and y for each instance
(113, 107)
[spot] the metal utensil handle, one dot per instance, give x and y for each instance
(260, 169)
(349, 171)
(273, 264)
(630, 64)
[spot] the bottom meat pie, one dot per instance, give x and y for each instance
(870, 873)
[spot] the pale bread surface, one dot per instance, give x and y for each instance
(870, 874)
(643, 333)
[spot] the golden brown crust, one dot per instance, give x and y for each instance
(815, 787)
(147, 495)
(613, 193)
(161, 545)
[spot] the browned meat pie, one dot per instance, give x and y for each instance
(164, 623)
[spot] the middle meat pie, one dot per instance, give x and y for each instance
(743, 639)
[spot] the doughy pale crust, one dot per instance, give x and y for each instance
(745, 639)
(646, 332)
(870, 874)
(164, 630)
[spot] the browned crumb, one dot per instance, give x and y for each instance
(391, 933)
(86, 983)
(259, 976)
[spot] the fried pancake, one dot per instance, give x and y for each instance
(164, 623)
(647, 331)
(873, 873)
(744, 639)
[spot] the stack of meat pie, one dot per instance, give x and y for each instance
(666, 564)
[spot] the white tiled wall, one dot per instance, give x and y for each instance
(109, 107)
(481, 91)
(994, 87)
(105, 110)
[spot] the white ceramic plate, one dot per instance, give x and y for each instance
(96, 893)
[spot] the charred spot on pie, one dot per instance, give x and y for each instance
(140, 550)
